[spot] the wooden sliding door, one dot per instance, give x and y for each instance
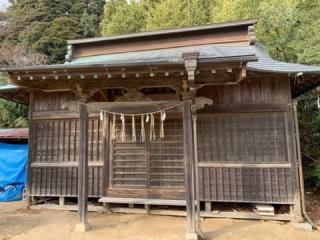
(147, 168)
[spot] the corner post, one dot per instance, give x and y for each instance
(189, 113)
(31, 150)
(83, 226)
(299, 200)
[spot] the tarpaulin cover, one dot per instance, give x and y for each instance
(13, 162)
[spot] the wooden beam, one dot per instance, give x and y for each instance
(65, 84)
(83, 170)
(243, 165)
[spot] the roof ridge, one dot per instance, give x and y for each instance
(246, 22)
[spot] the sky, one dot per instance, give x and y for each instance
(4, 4)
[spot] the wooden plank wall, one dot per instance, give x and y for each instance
(246, 152)
(244, 148)
(54, 166)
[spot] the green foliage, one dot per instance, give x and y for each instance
(232, 10)
(309, 116)
(45, 25)
(53, 42)
(167, 14)
(122, 17)
(87, 23)
(12, 115)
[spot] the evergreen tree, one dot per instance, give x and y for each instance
(87, 24)
(32, 23)
(53, 41)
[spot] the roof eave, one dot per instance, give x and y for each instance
(65, 67)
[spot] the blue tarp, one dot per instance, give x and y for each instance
(13, 166)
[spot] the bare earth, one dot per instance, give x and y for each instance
(17, 223)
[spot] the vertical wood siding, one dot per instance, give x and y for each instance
(244, 184)
(242, 138)
(243, 149)
(54, 166)
(53, 101)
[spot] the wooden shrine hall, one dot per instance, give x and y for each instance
(188, 117)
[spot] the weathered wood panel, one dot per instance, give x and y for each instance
(242, 138)
(230, 36)
(243, 148)
(252, 90)
(51, 101)
(56, 155)
(259, 185)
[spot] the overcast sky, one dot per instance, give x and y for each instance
(4, 4)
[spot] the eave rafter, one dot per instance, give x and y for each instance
(224, 72)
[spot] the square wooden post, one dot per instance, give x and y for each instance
(189, 171)
(189, 112)
(83, 226)
(299, 198)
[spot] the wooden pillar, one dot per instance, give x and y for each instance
(31, 149)
(189, 111)
(189, 176)
(196, 172)
(83, 226)
(299, 200)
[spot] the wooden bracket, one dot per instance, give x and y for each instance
(84, 94)
(190, 62)
(242, 74)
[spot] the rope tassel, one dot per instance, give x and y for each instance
(143, 133)
(134, 136)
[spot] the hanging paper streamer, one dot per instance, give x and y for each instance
(113, 127)
(162, 118)
(143, 133)
(123, 128)
(152, 130)
(145, 118)
(105, 124)
(101, 115)
(134, 136)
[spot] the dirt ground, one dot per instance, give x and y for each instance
(19, 223)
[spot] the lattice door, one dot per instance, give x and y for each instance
(148, 164)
